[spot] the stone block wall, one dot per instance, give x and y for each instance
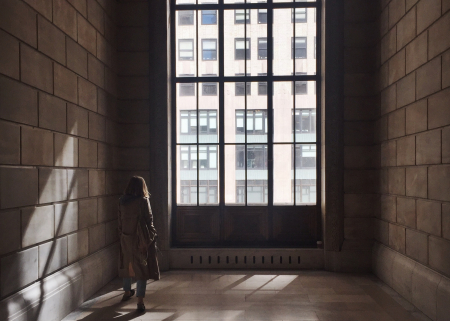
(62, 162)
(413, 130)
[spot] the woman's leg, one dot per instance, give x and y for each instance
(140, 289)
(127, 285)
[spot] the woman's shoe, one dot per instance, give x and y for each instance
(140, 307)
(127, 297)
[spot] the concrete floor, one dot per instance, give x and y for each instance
(254, 295)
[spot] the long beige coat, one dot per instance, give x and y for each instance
(130, 259)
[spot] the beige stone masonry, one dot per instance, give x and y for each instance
(96, 71)
(87, 213)
(96, 237)
(66, 151)
(428, 78)
(97, 127)
(397, 181)
(417, 245)
(44, 7)
(9, 231)
(36, 69)
(95, 15)
(389, 153)
(397, 123)
(406, 90)
(406, 29)
(429, 217)
(406, 211)
(19, 19)
(397, 237)
(96, 183)
(78, 245)
(446, 145)
(437, 260)
(65, 83)
(52, 113)
(52, 256)
(33, 231)
(51, 41)
(87, 36)
(416, 52)
(429, 147)
(388, 208)
(64, 16)
(76, 58)
(416, 181)
(78, 183)
(446, 69)
(416, 117)
(446, 220)
(18, 187)
(52, 185)
(439, 183)
(66, 218)
(9, 55)
(80, 5)
(406, 151)
(428, 11)
(9, 143)
(396, 11)
(438, 34)
(438, 114)
(37, 147)
(77, 121)
(87, 153)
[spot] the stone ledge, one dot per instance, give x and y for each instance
(428, 290)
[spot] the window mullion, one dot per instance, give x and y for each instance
(221, 115)
(270, 101)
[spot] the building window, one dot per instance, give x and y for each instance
(305, 156)
(186, 89)
(299, 51)
(242, 16)
(256, 157)
(257, 191)
(299, 15)
(262, 48)
(186, 49)
(262, 15)
(209, 17)
(207, 157)
(262, 88)
(207, 192)
(185, 18)
(209, 89)
(207, 122)
(241, 88)
(300, 87)
(241, 49)
(209, 49)
(305, 121)
(305, 191)
(256, 122)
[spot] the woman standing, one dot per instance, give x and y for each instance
(137, 240)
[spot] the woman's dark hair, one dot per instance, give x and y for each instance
(137, 187)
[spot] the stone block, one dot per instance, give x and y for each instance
(36, 69)
(384, 75)
(92, 274)
(80, 5)
(446, 220)
(417, 246)
(78, 183)
(443, 297)
(416, 52)
(357, 228)
(446, 69)
(137, 87)
(19, 102)
(66, 151)
(397, 66)
(97, 127)
(76, 58)
(357, 133)
(9, 231)
(87, 36)
(406, 151)
(402, 270)
(17, 18)
(397, 124)
(383, 258)
(87, 94)
(416, 117)
(77, 121)
(406, 90)
(9, 57)
(96, 237)
(18, 187)
(427, 12)
(381, 232)
(52, 185)
(424, 287)
(438, 114)
(410, 3)
(354, 156)
(439, 258)
(95, 15)
(38, 224)
(428, 78)
(9, 143)
(66, 218)
(134, 63)
(87, 153)
(44, 7)
(428, 147)
(389, 153)
(105, 156)
(133, 39)
(396, 11)
(397, 237)
(18, 270)
(111, 232)
(96, 71)
(65, 17)
(406, 211)
(439, 183)
(52, 113)
(51, 41)
(87, 213)
(78, 245)
(355, 205)
(96, 183)
(111, 132)
(65, 84)
(429, 217)
(37, 147)
(416, 181)
(406, 29)
(130, 111)
(388, 208)
(52, 256)
(397, 181)
(438, 36)
(384, 21)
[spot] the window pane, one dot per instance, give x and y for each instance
(208, 45)
(234, 114)
(209, 49)
(305, 114)
(283, 104)
(187, 175)
(186, 37)
(305, 174)
(235, 177)
(262, 15)
(185, 17)
(283, 175)
(305, 32)
(208, 112)
(256, 174)
(209, 17)
(187, 113)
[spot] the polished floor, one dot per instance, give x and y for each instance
(255, 295)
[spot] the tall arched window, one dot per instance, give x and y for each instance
(246, 122)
